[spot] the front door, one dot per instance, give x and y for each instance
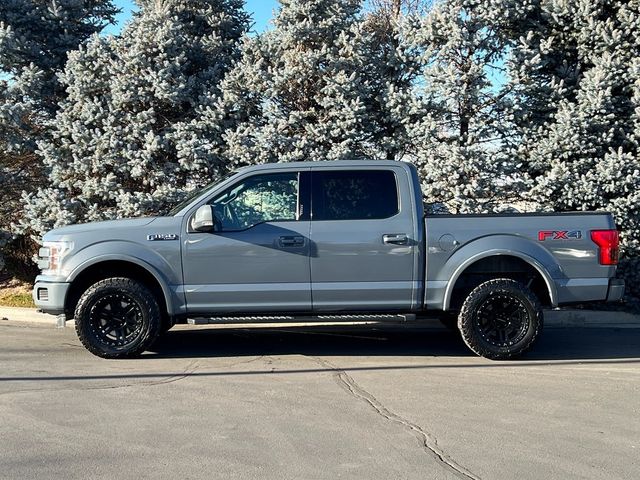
(258, 259)
(363, 241)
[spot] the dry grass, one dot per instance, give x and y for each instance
(14, 293)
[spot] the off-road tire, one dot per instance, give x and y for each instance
(146, 325)
(479, 327)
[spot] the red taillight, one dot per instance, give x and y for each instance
(609, 245)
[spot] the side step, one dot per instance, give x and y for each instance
(375, 318)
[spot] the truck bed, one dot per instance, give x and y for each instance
(558, 245)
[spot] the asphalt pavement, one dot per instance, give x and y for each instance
(396, 402)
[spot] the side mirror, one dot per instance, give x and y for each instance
(204, 220)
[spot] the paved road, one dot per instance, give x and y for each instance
(319, 403)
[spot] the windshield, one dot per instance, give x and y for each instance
(196, 193)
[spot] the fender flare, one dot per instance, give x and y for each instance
(78, 269)
(538, 266)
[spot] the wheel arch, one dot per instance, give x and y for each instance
(498, 256)
(106, 266)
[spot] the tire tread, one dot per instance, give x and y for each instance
(133, 287)
(465, 319)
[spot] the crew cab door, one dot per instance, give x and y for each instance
(363, 240)
(257, 260)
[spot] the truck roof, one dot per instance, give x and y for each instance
(327, 164)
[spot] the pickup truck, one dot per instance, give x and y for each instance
(316, 238)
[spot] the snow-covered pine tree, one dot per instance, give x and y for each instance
(35, 37)
(625, 170)
(117, 147)
(571, 70)
(542, 66)
(303, 90)
(395, 74)
(457, 119)
(575, 71)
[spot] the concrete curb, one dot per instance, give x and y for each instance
(553, 319)
(591, 319)
(29, 315)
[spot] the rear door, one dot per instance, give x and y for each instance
(362, 240)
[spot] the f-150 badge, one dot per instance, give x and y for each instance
(559, 235)
(162, 237)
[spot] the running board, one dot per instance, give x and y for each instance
(377, 318)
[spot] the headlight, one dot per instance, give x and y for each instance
(50, 257)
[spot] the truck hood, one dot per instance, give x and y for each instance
(96, 227)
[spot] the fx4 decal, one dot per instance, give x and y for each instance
(559, 235)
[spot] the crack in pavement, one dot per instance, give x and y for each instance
(188, 371)
(244, 362)
(428, 442)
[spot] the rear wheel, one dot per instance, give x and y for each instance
(500, 319)
(117, 318)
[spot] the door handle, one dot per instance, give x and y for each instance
(395, 239)
(292, 241)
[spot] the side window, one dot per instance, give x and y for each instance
(261, 198)
(354, 195)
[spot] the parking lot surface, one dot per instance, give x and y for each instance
(319, 402)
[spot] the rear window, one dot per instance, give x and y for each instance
(354, 195)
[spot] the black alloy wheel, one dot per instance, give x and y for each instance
(118, 318)
(500, 319)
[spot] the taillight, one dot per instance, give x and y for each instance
(609, 245)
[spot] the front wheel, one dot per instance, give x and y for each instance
(117, 318)
(500, 319)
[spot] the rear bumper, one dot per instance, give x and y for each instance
(616, 290)
(584, 290)
(50, 296)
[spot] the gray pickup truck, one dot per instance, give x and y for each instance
(317, 238)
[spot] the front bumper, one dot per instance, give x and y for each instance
(50, 296)
(616, 290)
